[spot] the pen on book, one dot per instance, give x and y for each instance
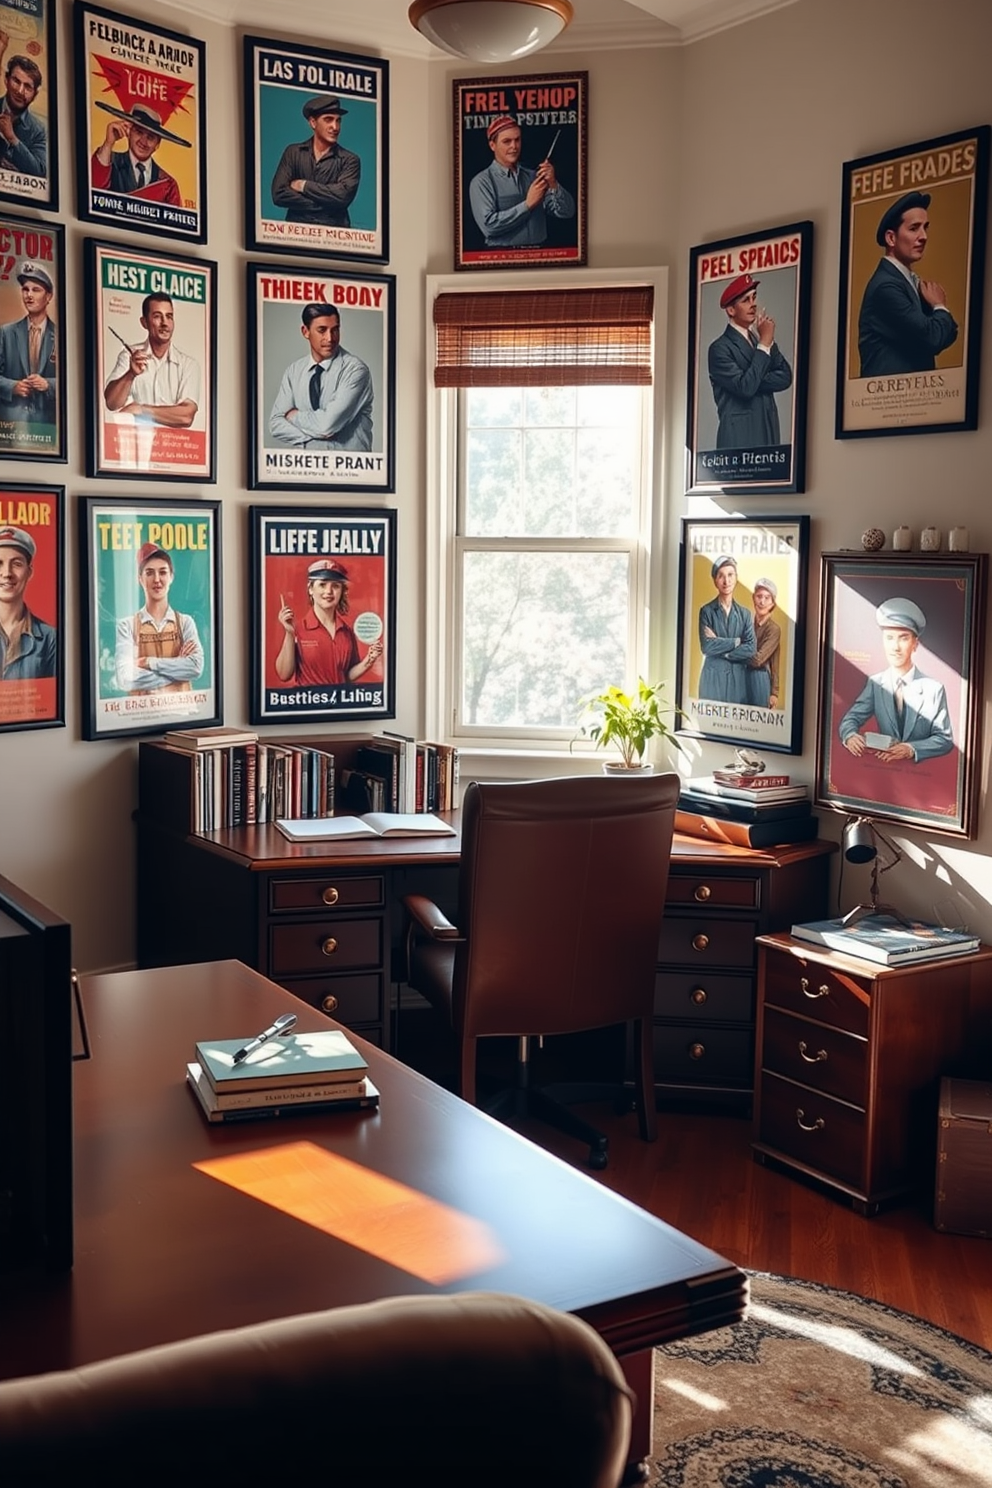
(282, 1025)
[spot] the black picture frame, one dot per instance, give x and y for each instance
(897, 372)
(280, 79)
(938, 787)
(732, 415)
(551, 111)
(122, 696)
(118, 84)
(284, 542)
(32, 688)
(29, 169)
(145, 436)
(722, 692)
(288, 453)
(32, 412)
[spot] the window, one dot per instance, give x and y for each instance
(543, 454)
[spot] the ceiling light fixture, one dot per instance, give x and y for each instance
(490, 30)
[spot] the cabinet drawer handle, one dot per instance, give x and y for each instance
(329, 1004)
(703, 893)
(698, 995)
(822, 990)
(816, 1058)
(697, 1051)
(817, 1125)
(329, 946)
(700, 942)
(331, 896)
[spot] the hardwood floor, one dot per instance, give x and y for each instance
(700, 1177)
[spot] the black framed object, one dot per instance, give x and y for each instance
(29, 156)
(32, 339)
(32, 562)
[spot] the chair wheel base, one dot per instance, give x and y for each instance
(598, 1160)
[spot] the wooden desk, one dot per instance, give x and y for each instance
(164, 1251)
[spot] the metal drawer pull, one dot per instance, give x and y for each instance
(697, 1051)
(329, 946)
(698, 995)
(817, 1125)
(822, 990)
(700, 942)
(329, 1003)
(330, 896)
(702, 893)
(816, 1058)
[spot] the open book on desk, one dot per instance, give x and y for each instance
(372, 824)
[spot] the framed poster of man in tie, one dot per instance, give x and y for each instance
(321, 353)
(901, 666)
(32, 340)
(912, 272)
(152, 323)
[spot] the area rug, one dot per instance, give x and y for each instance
(822, 1389)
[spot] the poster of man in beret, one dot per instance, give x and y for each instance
(520, 171)
(317, 140)
(141, 125)
(32, 340)
(32, 605)
(749, 309)
(911, 283)
(29, 157)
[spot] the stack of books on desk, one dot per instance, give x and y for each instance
(311, 1073)
(886, 940)
(753, 812)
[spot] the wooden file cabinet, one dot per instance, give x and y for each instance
(849, 1059)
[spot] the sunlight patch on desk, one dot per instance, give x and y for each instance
(388, 1220)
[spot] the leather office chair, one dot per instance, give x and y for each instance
(561, 897)
(428, 1392)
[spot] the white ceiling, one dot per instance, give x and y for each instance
(382, 25)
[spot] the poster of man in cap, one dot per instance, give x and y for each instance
(32, 603)
(317, 139)
(520, 171)
(912, 275)
(151, 576)
(32, 340)
(749, 312)
(742, 628)
(151, 392)
(323, 615)
(28, 105)
(141, 125)
(900, 684)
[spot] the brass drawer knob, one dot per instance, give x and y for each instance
(703, 893)
(698, 995)
(816, 1058)
(331, 896)
(697, 1051)
(821, 991)
(700, 942)
(329, 946)
(329, 1004)
(806, 1126)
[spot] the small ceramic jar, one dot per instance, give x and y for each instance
(958, 539)
(930, 540)
(902, 539)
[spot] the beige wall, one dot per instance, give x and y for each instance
(746, 130)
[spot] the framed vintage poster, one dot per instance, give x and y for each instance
(323, 626)
(749, 315)
(29, 120)
(912, 274)
(32, 339)
(900, 696)
(317, 135)
(742, 630)
(32, 607)
(141, 155)
(151, 607)
(520, 171)
(152, 325)
(321, 353)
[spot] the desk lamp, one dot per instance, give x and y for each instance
(860, 845)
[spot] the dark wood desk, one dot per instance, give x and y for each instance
(165, 1251)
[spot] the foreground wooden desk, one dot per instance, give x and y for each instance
(165, 1251)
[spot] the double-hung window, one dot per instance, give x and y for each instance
(542, 457)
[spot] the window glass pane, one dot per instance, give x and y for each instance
(607, 472)
(549, 405)
(493, 406)
(616, 407)
(492, 483)
(540, 630)
(549, 482)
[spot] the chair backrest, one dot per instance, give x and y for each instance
(561, 897)
(428, 1392)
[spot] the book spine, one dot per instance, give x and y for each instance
(237, 769)
(251, 784)
(750, 782)
(287, 1095)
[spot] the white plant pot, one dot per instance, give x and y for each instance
(616, 767)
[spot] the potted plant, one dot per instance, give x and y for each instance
(615, 718)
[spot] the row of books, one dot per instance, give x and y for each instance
(395, 772)
(744, 813)
(282, 1074)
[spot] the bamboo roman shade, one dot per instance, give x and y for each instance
(544, 338)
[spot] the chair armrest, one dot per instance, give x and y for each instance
(430, 919)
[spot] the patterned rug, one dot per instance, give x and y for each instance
(822, 1389)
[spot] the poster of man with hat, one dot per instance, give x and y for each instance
(317, 150)
(32, 601)
(141, 145)
(29, 165)
(912, 257)
(748, 357)
(32, 343)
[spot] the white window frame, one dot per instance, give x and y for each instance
(441, 516)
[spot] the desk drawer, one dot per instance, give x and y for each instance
(815, 1055)
(328, 891)
(815, 991)
(322, 946)
(687, 1054)
(711, 892)
(349, 999)
(824, 1134)
(711, 997)
(699, 941)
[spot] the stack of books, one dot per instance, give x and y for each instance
(748, 810)
(888, 941)
(311, 1073)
